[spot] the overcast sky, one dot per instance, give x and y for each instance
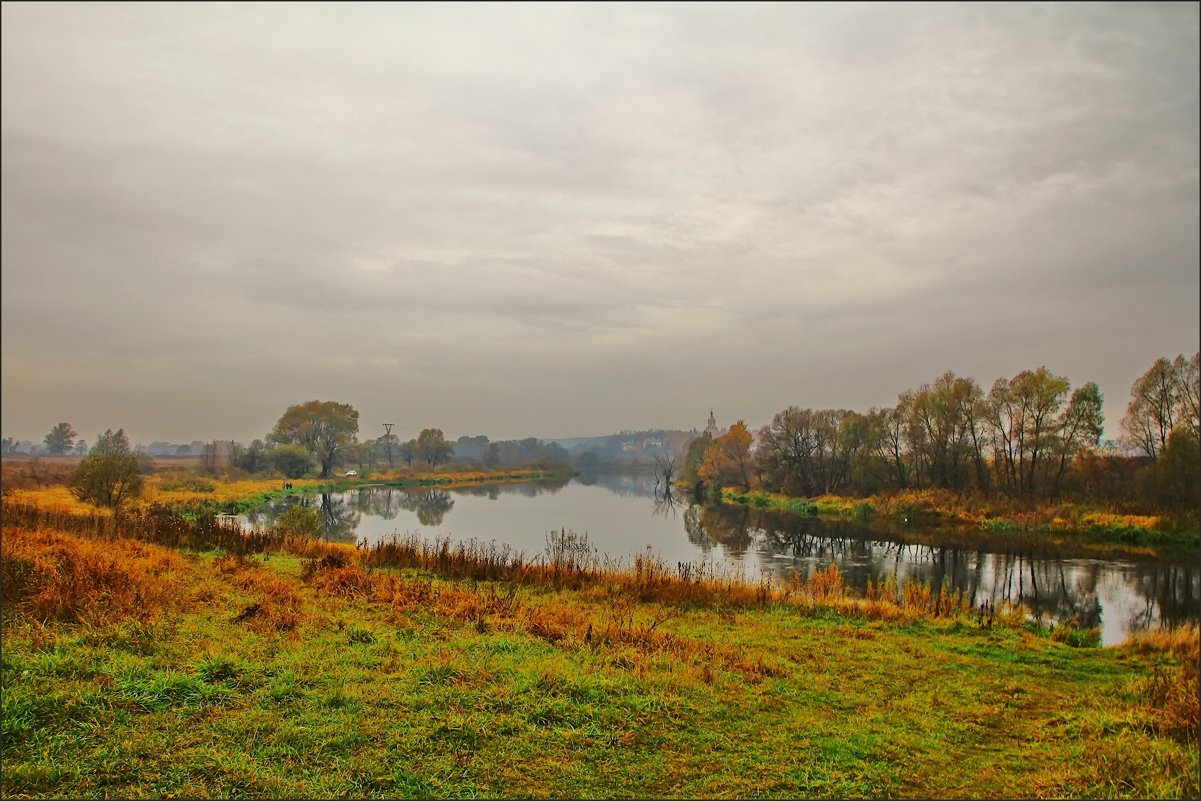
(555, 220)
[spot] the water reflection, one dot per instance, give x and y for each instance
(430, 506)
(1052, 583)
(340, 514)
(528, 489)
(624, 514)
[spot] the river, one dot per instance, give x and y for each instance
(622, 516)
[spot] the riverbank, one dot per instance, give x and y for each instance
(932, 509)
(194, 495)
(135, 670)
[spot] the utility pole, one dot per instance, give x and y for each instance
(388, 441)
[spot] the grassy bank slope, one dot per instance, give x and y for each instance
(134, 670)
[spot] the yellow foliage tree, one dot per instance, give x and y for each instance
(728, 459)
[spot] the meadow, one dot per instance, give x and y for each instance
(151, 655)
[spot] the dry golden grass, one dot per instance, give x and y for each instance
(278, 607)
(1172, 691)
(1106, 520)
(51, 575)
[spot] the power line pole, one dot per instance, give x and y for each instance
(388, 441)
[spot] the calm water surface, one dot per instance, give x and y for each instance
(622, 517)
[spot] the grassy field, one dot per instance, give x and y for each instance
(271, 666)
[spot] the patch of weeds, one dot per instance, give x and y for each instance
(361, 636)
(21, 713)
(1077, 636)
(219, 668)
(460, 738)
(438, 675)
(158, 690)
(338, 698)
(284, 687)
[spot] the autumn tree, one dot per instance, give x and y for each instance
(888, 440)
(325, 428)
(1176, 474)
(728, 459)
(432, 447)
(1080, 429)
(60, 439)
(947, 427)
(1188, 381)
(110, 473)
(1151, 413)
(1023, 414)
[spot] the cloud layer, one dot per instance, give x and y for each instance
(551, 220)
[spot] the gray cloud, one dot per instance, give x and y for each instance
(550, 220)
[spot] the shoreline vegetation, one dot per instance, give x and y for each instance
(194, 495)
(932, 509)
(156, 654)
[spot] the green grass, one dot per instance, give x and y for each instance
(364, 701)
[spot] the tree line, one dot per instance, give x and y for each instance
(1028, 436)
(320, 435)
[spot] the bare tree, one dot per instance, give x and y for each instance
(665, 472)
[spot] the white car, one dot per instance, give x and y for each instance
(351, 473)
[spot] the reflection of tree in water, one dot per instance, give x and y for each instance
(1171, 593)
(338, 519)
(430, 506)
(727, 525)
(490, 491)
(694, 530)
(1045, 584)
(530, 489)
(666, 503)
(382, 502)
(1045, 588)
(641, 485)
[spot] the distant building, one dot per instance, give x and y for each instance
(711, 429)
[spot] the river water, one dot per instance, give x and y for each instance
(622, 516)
